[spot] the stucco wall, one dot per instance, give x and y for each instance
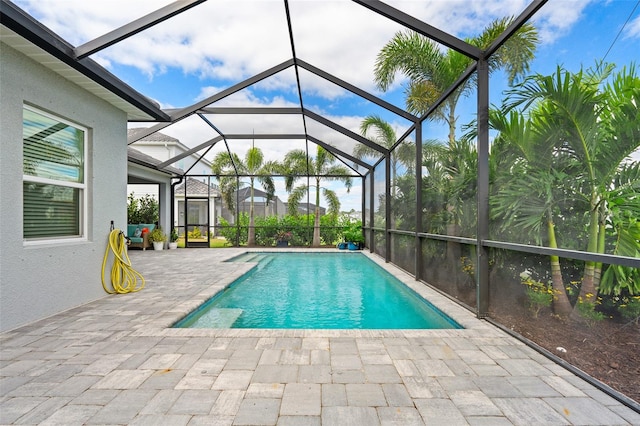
(38, 281)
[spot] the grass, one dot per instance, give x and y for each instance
(219, 243)
(214, 243)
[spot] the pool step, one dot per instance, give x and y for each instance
(224, 317)
(263, 262)
(251, 257)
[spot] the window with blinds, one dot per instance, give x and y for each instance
(54, 185)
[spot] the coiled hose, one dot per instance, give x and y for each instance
(124, 279)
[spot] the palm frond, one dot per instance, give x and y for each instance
(294, 198)
(409, 53)
(332, 200)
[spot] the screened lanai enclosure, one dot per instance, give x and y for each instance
(490, 149)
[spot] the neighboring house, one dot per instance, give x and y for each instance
(199, 206)
(63, 160)
(275, 207)
(202, 205)
(310, 208)
(164, 147)
(353, 215)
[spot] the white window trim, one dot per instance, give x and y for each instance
(84, 187)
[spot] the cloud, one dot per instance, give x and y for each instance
(229, 41)
(557, 18)
(633, 29)
(79, 21)
(461, 18)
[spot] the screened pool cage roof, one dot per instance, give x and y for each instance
(277, 107)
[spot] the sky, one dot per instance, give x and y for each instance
(220, 43)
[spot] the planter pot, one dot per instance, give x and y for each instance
(173, 246)
(342, 246)
(282, 243)
(354, 246)
(158, 246)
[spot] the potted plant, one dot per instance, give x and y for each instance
(354, 237)
(173, 239)
(282, 238)
(158, 238)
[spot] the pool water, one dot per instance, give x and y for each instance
(316, 291)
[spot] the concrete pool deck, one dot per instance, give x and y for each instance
(115, 361)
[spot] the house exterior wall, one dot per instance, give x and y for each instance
(37, 281)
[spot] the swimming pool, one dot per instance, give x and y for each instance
(316, 291)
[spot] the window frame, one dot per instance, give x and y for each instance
(83, 187)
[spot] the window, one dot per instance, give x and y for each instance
(54, 187)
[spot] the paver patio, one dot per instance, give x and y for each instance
(115, 361)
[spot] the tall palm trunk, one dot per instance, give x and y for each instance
(316, 221)
(588, 279)
(561, 304)
(251, 232)
(597, 273)
(454, 249)
(452, 125)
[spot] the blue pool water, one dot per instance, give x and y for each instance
(316, 291)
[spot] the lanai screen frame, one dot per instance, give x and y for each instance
(78, 58)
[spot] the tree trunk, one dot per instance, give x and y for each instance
(452, 126)
(597, 273)
(316, 221)
(251, 232)
(316, 228)
(588, 279)
(561, 304)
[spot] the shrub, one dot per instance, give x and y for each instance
(157, 236)
(142, 210)
(630, 308)
(539, 295)
(354, 232)
(300, 228)
(587, 309)
(195, 234)
(230, 231)
(266, 228)
(330, 229)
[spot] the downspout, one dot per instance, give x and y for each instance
(173, 200)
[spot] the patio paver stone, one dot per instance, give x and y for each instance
(117, 361)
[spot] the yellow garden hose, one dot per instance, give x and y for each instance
(124, 279)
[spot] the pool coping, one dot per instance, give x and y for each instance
(472, 326)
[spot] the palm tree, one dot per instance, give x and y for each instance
(597, 126)
(575, 135)
(527, 187)
(321, 167)
(432, 71)
(624, 205)
(449, 190)
(229, 167)
(382, 133)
